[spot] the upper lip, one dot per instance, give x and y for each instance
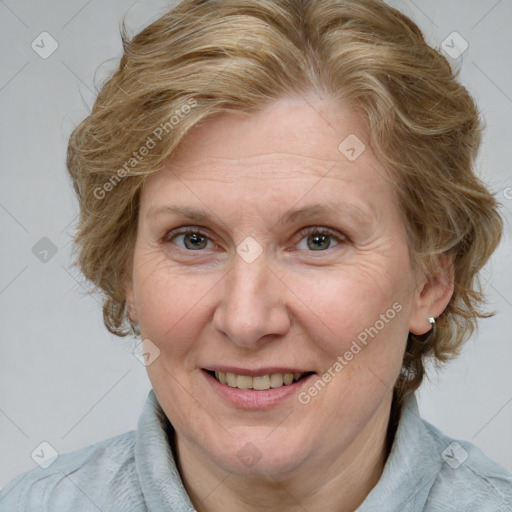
(254, 372)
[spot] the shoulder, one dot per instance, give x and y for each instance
(102, 476)
(467, 478)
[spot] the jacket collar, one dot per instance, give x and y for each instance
(411, 467)
(408, 475)
(159, 478)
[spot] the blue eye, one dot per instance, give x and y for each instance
(191, 240)
(313, 239)
(319, 240)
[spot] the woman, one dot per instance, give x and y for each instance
(278, 198)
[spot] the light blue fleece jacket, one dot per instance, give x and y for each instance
(135, 472)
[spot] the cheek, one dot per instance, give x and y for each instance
(172, 305)
(360, 310)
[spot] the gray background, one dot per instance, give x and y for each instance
(63, 378)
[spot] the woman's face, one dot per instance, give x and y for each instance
(271, 249)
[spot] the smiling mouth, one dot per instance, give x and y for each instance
(260, 382)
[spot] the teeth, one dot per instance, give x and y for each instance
(260, 383)
(276, 380)
(243, 382)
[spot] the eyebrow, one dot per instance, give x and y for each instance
(190, 213)
(338, 209)
(295, 215)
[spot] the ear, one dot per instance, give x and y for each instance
(432, 295)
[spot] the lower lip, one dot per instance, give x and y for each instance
(252, 399)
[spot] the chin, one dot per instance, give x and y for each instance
(254, 452)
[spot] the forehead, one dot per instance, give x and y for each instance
(282, 150)
(309, 126)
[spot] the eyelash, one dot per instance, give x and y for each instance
(312, 230)
(184, 231)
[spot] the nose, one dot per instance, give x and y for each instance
(252, 310)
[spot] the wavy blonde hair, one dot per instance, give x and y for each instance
(205, 57)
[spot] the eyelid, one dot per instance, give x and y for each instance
(320, 230)
(185, 230)
(310, 230)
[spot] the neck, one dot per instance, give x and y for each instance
(340, 483)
